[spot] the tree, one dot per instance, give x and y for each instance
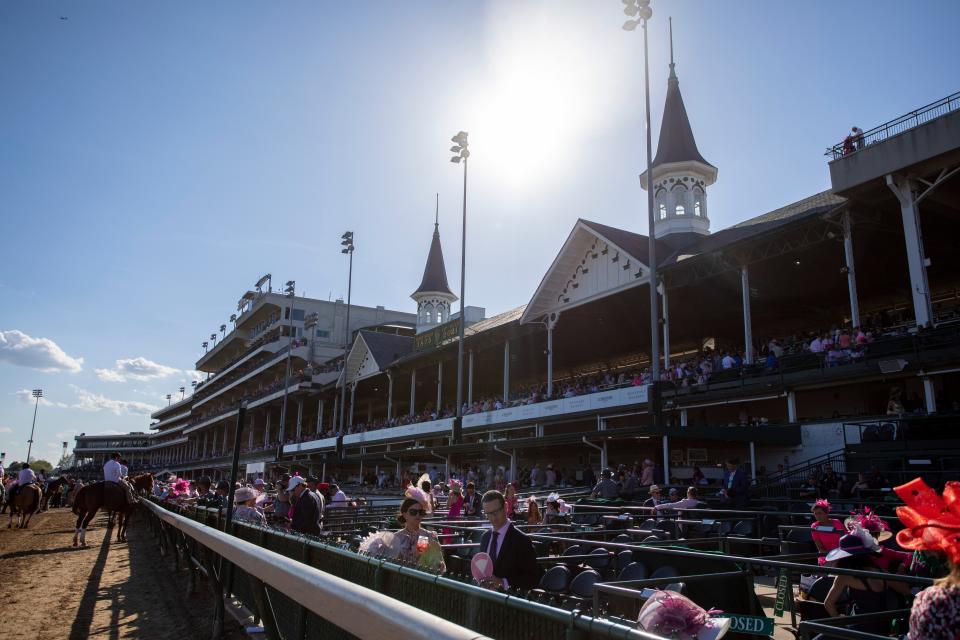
(36, 465)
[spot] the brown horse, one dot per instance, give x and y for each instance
(52, 489)
(26, 503)
(91, 498)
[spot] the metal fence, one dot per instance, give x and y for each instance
(286, 614)
(897, 125)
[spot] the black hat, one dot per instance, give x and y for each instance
(205, 480)
(313, 479)
(223, 485)
(850, 545)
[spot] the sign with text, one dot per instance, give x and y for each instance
(753, 625)
(436, 336)
(783, 590)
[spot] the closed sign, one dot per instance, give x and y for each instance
(753, 625)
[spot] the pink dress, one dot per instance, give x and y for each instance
(455, 509)
(829, 539)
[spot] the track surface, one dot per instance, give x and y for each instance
(52, 590)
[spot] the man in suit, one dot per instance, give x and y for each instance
(514, 558)
(471, 502)
(736, 485)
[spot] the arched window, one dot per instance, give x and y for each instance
(680, 211)
(696, 209)
(663, 212)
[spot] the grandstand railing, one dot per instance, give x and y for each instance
(493, 613)
(898, 125)
(351, 607)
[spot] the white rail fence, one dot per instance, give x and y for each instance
(358, 610)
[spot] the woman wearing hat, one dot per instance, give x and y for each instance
(510, 499)
(868, 595)
(933, 526)
(418, 545)
(889, 560)
(826, 530)
(246, 509)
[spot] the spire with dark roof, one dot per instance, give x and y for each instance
(435, 272)
(676, 137)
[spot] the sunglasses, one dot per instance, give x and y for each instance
(416, 513)
(490, 513)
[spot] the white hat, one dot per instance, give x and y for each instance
(294, 481)
(244, 493)
(258, 482)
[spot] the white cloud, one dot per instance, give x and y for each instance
(139, 368)
(89, 401)
(26, 397)
(42, 354)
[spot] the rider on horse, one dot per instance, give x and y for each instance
(113, 474)
(25, 477)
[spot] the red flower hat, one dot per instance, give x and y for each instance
(932, 521)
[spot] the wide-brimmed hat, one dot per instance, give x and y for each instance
(670, 614)
(933, 522)
(244, 493)
(850, 545)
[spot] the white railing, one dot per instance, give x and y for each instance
(625, 396)
(355, 609)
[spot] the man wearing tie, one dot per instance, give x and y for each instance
(736, 485)
(514, 558)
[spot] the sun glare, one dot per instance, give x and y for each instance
(549, 87)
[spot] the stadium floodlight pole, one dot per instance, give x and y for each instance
(205, 345)
(213, 338)
(168, 399)
(37, 393)
(462, 150)
(183, 392)
(641, 12)
(346, 240)
(223, 331)
(290, 293)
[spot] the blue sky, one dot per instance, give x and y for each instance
(157, 158)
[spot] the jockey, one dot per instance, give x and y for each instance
(113, 472)
(25, 477)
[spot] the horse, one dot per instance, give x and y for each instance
(52, 489)
(91, 499)
(26, 503)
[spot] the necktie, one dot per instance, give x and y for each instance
(493, 546)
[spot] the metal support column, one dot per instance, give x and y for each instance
(413, 391)
(753, 461)
(439, 387)
(791, 407)
(747, 329)
(353, 398)
(389, 396)
(299, 418)
(470, 378)
(506, 371)
(913, 237)
(551, 323)
(666, 459)
(666, 324)
(851, 271)
(684, 418)
(929, 395)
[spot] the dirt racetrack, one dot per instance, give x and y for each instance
(52, 590)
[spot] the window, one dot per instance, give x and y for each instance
(680, 211)
(663, 212)
(298, 314)
(696, 209)
(320, 333)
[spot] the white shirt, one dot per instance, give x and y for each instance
(727, 362)
(816, 346)
(25, 477)
(124, 472)
(112, 471)
(339, 499)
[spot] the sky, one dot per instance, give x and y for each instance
(157, 158)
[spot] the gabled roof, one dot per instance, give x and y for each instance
(676, 136)
(816, 204)
(386, 347)
(577, 249)
(435, 272)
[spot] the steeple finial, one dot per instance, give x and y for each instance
(673, 74)
(436, 215)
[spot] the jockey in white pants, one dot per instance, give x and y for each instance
(114, 472)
